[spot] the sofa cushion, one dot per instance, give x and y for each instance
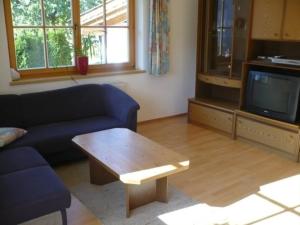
(10, 134)
(57, 137)
(20, 159)
(31, 193)
(62, 105)
(10, 111)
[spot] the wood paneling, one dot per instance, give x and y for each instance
(211, 117)
(272, 136)
(267, 19)
(291, 26)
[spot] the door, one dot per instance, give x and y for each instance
(291, 27)
(267, 19)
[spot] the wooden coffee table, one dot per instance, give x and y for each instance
(141, 164)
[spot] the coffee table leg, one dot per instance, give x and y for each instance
(98, 174)
(138, 195)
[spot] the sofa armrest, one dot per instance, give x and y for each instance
(120, 105)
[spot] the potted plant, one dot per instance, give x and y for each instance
(82, 62)
(82, 59)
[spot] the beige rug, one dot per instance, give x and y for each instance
(107, 203)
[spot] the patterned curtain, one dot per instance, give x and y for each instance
(159, 37)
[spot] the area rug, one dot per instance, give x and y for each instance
(108, 202)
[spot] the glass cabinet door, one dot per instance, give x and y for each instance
(219, 29)
(240, 35)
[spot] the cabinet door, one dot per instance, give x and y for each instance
(218, 47)
(240, 36)
(275, 137)
(291, 27)
(267, 19)
(211, 117)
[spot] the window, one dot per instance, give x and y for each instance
(44, 35)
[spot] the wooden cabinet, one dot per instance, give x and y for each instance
(227, 50)
(223, 33)
(276, 20)
(267, 19)
(276, 137)
(291, 26)
(218, 119)
(225, 37)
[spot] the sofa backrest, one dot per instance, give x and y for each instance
(10, 111)
(62, 105)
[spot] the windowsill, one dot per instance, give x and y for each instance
(75, 77)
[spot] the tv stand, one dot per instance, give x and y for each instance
(282, 136)
(273, 134)
(221, 81)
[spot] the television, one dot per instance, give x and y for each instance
(273, 94)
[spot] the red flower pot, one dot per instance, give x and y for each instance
(82, 64)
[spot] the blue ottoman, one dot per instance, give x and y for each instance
(29, 188)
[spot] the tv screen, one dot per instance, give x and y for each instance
(273, 95)
(266, 94)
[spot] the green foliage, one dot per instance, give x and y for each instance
(86, 5)
(29, 49)
(58, 12)
(87, 45)
(26, 12)
(59, 49)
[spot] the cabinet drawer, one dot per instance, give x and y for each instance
(275, 137)
(211, 117)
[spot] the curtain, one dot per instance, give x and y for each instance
(159, 37)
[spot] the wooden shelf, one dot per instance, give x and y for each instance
(220, 104)
(267, 63)
(220, 81)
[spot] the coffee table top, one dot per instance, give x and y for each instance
(133, 158)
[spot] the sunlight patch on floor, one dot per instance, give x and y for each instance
(285, 192)
(287, 218)
(298, 209)
(250, 209)
(275, 204)
(198, 214)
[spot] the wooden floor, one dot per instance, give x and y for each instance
(224, 173)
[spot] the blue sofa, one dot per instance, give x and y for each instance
(29, 188)
(53, 118)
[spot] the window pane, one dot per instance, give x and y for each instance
(58, 12)
(117, 45)
(91, 13)
(29, 45)
(26, 12)
(219, 12)
(117, 12)
(93, 44)
(60, 47)
(228, 13)
(226, 43)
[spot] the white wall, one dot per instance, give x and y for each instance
(158, 96)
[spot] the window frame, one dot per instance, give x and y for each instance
(61, 71)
